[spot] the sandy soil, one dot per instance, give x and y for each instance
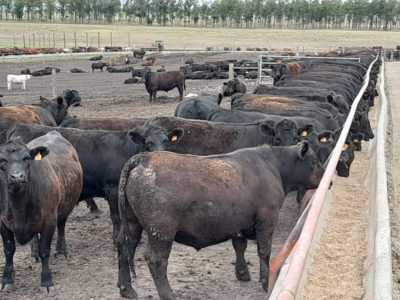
(393, 156)
(193, 38)
(91, 270)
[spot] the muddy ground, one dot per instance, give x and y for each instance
(90, 272)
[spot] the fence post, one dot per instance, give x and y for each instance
(231, 73)
(98, 40)
(75, 38)
(54, 81)
(64, 41)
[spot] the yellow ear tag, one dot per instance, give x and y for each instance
(38, 156)
(304, 133)
(356, 140)
(174, 138)
(345, 146)
(323, 139)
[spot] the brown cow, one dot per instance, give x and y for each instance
(147, 63)
(43, 181)
(151, 58)
(164, 81)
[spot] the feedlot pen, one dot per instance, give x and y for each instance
(90, 271)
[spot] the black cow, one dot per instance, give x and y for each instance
(120, 70)
(131, 80)
(99, 66)
(103, 154)
(76, 70)
(206, 201)
(140, 72)
(44, 180)
(138, 53)
(198, 106)
(233, 86)
(164, 81)
(26, 71)
(72, 97)
(251, 75)
(96, 58)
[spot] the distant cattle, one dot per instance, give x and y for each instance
(164, 81)
(131, 80)
(120, 70)
(151, 58)
(17, 79)
(198, 106)
(147, 63)
(138, 53)
(76, 70)
(26, 71)
(44, 181)
(96, 58)
(202, 201)
(189, 61)
(140, 72)
(251, 75)
(99, 66)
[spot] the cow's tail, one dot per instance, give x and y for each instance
(121, 239)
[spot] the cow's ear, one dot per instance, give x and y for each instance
(302, 149)
(306, 130)
(325, 136)
(219, 98)
(44, 101)
(225, 83)
(60, 101)
(267, 128)
(136, 136)
(176, 134)
(39, 152)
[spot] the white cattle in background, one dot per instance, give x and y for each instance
(17, 79)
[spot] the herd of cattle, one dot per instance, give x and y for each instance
(201, 177)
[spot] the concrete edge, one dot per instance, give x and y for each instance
(378, 279)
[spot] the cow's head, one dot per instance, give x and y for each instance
(155, 138)
(233, 86)
(307, 170)
(15, 162)
(286, 133)
(57, 107)
(346, 158)
(72, 97)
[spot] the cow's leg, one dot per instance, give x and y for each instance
(134, 236)
(92, 205)
(35, 248)
(241, 269)
(44, 252)
(180, 89)
(9, 250)
(127, 244)
(112, 198)
(154, 96)
(156, 255)
(264, 229)
(61, 246)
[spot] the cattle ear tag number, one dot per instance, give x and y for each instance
(356, 140)
(323, 139)
(38, 156)
(174, 138)
(304, 133)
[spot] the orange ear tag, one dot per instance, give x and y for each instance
(38, 156)
(174, 138)
(356, 140)
(304, 133)
(345, 146)
(323, 139)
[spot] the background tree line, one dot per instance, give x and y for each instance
(333, 14)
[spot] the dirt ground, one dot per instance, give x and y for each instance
(192, 38)
(90, 272)
(393, 156)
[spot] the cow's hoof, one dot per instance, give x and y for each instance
(47, 289)
(243, 275)
(264, 284)
(5, 287)
(128, 292)
(34, 259)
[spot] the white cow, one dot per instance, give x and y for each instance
(17, 79)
